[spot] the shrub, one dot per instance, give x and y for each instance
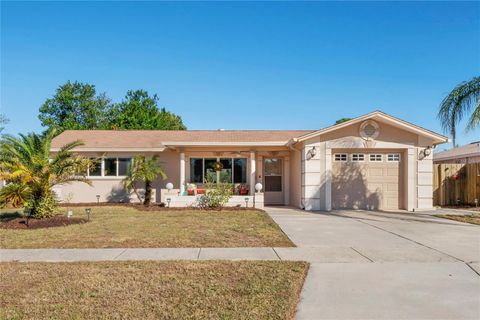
(43, 206)
(216, 195)
(14, 194)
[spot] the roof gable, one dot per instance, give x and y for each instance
(377, 115)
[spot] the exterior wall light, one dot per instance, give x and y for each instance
(427, 151)
(169, 186)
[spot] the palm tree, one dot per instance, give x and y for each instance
(144, 170)
(26, 162)
(463, 98)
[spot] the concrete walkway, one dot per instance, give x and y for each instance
(70, 255)
(320, 255)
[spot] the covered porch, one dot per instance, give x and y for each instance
(242, 167)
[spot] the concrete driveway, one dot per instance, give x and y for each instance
(373, 265)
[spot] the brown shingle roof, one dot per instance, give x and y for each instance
(468, 150)
(112, 139)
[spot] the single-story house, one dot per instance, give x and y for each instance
(469, 153)
(374, 162)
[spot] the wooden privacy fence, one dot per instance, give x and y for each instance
(456, 183)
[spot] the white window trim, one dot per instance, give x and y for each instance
(102, 169)
(393, 155)
(340, 155)
(375, 156)
(358, 155)
(218, 174)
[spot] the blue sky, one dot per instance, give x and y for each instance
(243, 65)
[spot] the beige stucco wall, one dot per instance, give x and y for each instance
(416, 171)
(307, 181)
(295, 185)
(111, 189)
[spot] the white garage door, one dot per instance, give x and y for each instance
(366, 180)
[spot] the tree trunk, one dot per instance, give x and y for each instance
(148, 193)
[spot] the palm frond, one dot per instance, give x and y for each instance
(459, 102)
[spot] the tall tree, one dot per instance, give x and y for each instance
(139, 110)
(75, 105)
(462, 100)
(3, 122)
(32, 171)
(341, 120)
(144, 170)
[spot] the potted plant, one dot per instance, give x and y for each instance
(243, 190)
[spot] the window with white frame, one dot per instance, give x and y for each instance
(342, 157)
(376, 157)
(234, 170)
(95, 169)
(358, 157)
(109, 167)
(392, 157)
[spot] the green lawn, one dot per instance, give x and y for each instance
(122, 227)
(151, 290)
(472, 219)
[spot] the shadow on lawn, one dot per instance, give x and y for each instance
(7, 216)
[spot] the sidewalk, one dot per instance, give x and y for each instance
(319, 255)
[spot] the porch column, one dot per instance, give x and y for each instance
(328, 179)
(182, 173)
(253, 172)
(411, 179)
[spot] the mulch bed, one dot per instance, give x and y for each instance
(55, 221)
(152, 207)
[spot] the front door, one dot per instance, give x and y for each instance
(273, 181)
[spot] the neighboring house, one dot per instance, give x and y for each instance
(469, 153)
(375, 161)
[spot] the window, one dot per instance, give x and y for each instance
(273, 174)
(393, 157)
(110, 167)
(226, 173)
(209, 173)
(95, 170)
(376, 158)
(358, 157)
(234, 170)
(340, 157)
(196, 170)
(240, 170)
(124, 166)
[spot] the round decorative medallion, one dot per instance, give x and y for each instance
(369, 130)
(218, 166)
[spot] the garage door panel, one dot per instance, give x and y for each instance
(375, 172)
(366, 185)
(392, 172)
(392, 187)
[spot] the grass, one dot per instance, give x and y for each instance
(124, 227)
(151, 290)
(472, 219)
